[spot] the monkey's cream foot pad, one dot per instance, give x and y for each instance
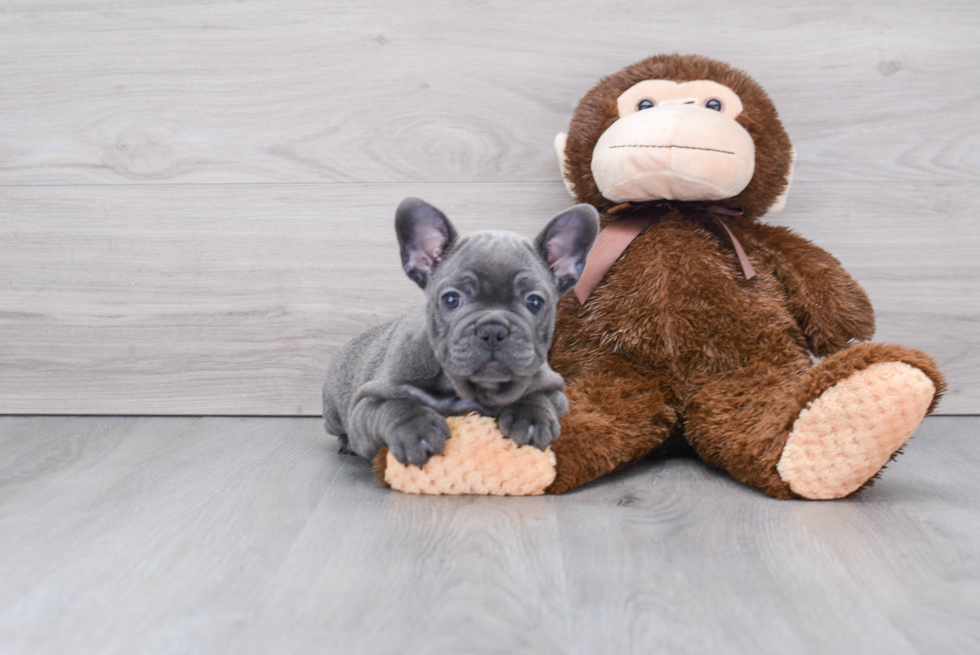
(844, 437)
(478, 460)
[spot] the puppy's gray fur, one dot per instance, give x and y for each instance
(393, 385)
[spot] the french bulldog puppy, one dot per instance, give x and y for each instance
(479, 342)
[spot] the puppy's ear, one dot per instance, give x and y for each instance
(565, 242)
(424, 233)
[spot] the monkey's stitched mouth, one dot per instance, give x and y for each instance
(724, 152)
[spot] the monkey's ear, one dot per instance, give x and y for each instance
(565, 241)
(780, 202)
(560, 140)
(423, 233)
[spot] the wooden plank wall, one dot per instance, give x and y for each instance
(196, 197)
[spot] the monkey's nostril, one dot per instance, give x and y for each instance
(492, 333)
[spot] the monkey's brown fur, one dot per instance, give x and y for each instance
(675, 340)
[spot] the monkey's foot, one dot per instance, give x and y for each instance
(848, 433)
(478, 460)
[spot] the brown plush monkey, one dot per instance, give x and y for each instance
(675, 341)
(694, 322)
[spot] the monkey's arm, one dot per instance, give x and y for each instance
(830, 307)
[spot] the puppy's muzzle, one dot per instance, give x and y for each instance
(492, 333)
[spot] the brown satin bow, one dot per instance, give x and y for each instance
(619, 234)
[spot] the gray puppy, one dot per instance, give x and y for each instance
(479, 342)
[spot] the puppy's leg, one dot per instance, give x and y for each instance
(412, 431)
(333, 423)
(533, 420)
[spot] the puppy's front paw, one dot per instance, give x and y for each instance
(417, 436)
(530, 423)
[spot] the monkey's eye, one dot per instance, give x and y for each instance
(644, 104)
(713, 103)
(451, 300)
(535, 303)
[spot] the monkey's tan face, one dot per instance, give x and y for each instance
(676, 142)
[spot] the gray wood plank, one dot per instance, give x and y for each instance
(454, 575)
(123, 531)
(228, 299)
(121, 535)
(692, 562)
(377, 91)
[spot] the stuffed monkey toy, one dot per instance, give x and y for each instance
(694, 323)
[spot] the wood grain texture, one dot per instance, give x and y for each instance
(218, 299)
(152, 535)
(195, 196)
(381, 91)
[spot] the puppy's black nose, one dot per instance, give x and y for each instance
(492, 333)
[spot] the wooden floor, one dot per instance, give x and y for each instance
(252, 535)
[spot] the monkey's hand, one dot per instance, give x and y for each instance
(829, 306)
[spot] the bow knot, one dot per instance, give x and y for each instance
(620, 233)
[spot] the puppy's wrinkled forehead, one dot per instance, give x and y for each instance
(490, 262)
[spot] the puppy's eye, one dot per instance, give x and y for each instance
(713, 103)
(451, 300)
(646, 103)
(535, 303)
